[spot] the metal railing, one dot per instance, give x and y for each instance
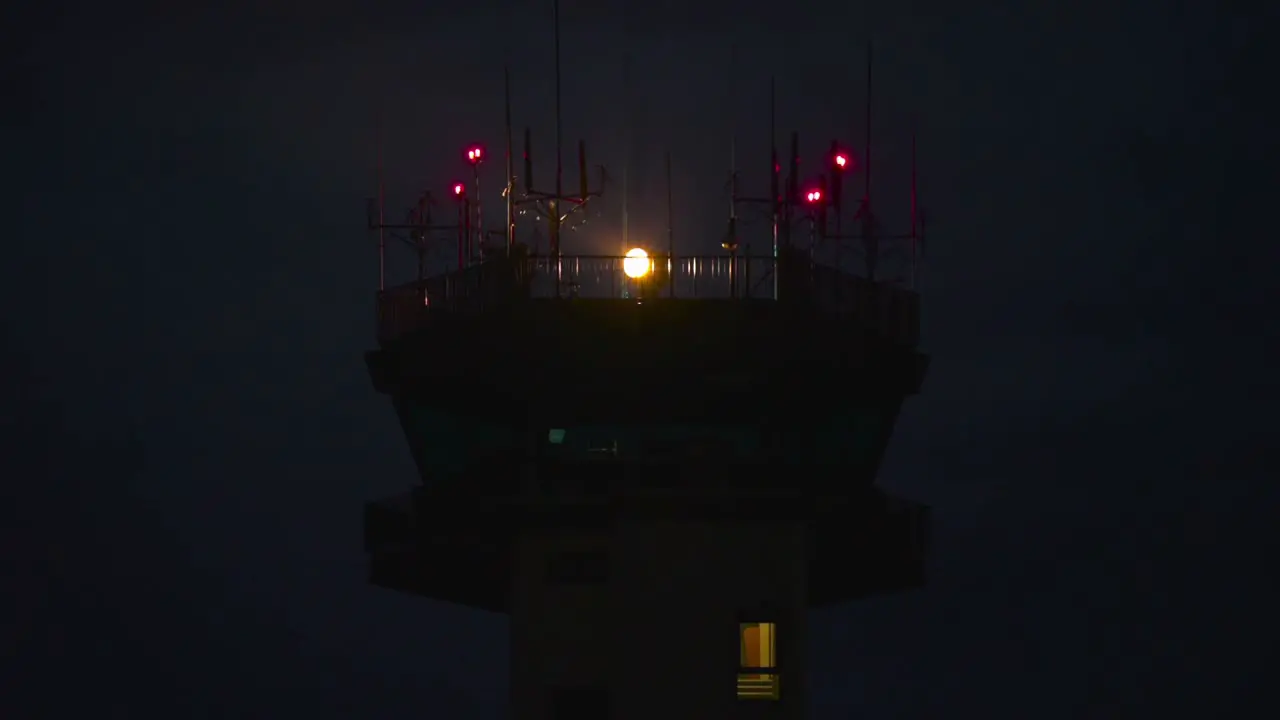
(697, 277)
(882, 307)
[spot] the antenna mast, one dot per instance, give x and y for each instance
(555, 204)
(626, 152)
(382, 207)
(509, 186)
(731, 237)
(914, 213)
(733, 148)
(770, 200)
(868, 221)
(866, 146)
(774, 169)
(671, 235)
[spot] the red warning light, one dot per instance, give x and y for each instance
(458, 189)
(842, 160)
(813, 196)
(474, 155)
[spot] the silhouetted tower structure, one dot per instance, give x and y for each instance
(657, 489)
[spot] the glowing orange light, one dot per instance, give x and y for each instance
(637, 263)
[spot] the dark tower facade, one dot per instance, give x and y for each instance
(655, 489)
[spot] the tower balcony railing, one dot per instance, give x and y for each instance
(879, 306)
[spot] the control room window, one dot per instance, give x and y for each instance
(758, 677)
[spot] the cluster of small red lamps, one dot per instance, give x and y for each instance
(475, 154)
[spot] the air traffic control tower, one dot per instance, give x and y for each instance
(654, 489)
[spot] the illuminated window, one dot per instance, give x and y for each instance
(758, 677)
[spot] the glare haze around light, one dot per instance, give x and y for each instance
(636, 264)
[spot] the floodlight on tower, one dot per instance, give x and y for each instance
(636, 264)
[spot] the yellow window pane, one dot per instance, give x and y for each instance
(758, 645)
(757, 652)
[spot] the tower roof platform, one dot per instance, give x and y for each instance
(722, 389)
(707, 337)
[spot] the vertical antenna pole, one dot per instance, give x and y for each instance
(837, 191)
(868, 224)
(914, 225)
(382, 208)
(422, 218)
(792, 190)
(774, 169)
(556, 214)
(467, 232)
(866, 145)
(671, 236)
(733, 146)
(732, 240)
(479, 243)
(510, 183)
(626, 153)
(464, 230)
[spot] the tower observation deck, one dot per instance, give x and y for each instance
(655, 488)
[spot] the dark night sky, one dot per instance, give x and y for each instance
(190, 432)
